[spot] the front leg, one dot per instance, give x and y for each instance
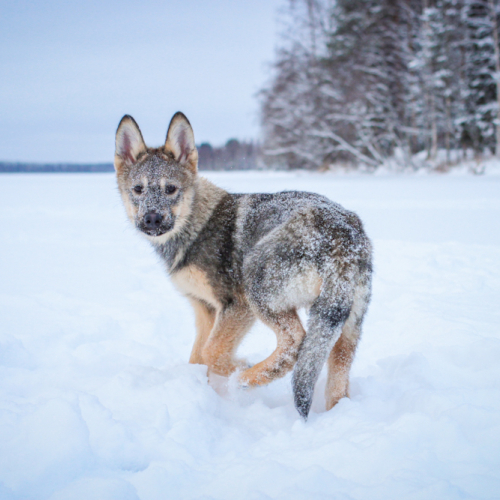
(231, 325)
(205, 319)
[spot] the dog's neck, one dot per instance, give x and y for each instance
(204, 197)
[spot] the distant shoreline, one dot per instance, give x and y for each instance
(69, 168)
(18, 167)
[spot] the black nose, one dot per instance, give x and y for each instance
(152, 220)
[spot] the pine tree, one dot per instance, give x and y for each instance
(289, 104)
(362, 80)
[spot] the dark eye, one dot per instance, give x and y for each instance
(137, 189)
(170, 189)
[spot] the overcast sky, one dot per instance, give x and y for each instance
(69, 70)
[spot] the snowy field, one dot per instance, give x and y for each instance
(97, 400)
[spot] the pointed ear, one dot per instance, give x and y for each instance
(180, 141)
(129, 143)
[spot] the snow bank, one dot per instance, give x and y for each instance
(97, 399)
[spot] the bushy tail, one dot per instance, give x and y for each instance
(326, 319)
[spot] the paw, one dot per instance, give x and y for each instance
(253, 377)
(226, 367)
(331, 401)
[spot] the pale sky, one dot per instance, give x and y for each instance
(69, 70)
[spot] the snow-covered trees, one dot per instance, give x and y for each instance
(361, 80)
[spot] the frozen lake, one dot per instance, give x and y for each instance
(97, 400)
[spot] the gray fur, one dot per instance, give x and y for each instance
(261, 255)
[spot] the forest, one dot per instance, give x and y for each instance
(357, 82)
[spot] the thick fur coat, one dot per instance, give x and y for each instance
(242, 257)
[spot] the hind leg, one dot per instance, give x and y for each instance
(342, 354)
(289, 333)
(339, 366)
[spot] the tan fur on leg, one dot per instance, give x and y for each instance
(230, 327)
(205, 319)
(342, 354)
(339, 365)
(289, 332)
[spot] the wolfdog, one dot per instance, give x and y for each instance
(238, 257)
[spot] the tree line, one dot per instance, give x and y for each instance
(20, 167)
(234, 155)
(360, 81)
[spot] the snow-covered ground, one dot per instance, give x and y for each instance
(97, 400)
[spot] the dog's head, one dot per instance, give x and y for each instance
(156, 184)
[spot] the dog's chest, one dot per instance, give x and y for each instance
(193, 282)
